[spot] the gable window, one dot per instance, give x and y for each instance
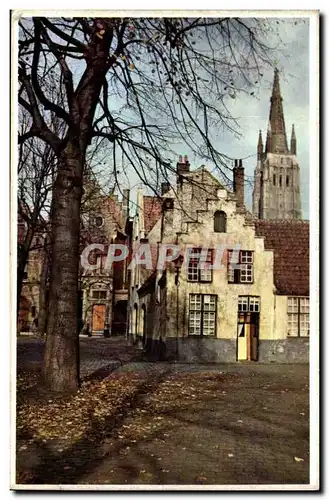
(198, 269)
(274, 179)
(247, 303)
(298, 317)
(240, 266)
(99, 294)
(202, 315)
(220, 222)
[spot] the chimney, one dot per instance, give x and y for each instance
(165, 186)
(183, 165)
(238, 183)
(125, 203)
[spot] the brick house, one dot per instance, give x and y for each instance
(254, 307)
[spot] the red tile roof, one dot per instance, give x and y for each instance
(290, 241)
(152, 211)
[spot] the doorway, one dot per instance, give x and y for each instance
(143, 321)
(248, 329)
(98, 323)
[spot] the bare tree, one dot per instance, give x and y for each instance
(141, 85)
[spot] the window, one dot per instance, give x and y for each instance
(99, 221)
(287, 180)
(240, 266)
(280, 180)
(298, 317)
(99, 294)
(33, 311)
(198, 269)
(248, 304)
(202, 314)
(274, 179)
(220, 222)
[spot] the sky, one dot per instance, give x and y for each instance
(252, 112)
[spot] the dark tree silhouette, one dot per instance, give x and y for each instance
(141, 84)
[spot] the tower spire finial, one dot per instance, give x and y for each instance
(260, 146)
(293, 142)
(277, 143)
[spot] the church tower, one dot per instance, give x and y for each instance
(276, 192)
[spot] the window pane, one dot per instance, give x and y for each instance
(195, 302)
(230, 274)
(254, 304)
(192, 273)
(205, 275)
(243, 304)
(292, 325)
(209, 302)
(195, 323)
(304, 304)
(304, 325)
(246, 256)
(292, 304)
(208, 323)
(246, 274)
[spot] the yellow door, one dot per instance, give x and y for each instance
(242, 342)
(98, 317)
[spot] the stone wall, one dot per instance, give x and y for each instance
(293, 350)
(214, 350)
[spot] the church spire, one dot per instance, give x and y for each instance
(260, 146)
(293, 142)
(276, 141)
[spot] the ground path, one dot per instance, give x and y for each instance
(187, 424)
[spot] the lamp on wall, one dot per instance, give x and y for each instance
(178, 265)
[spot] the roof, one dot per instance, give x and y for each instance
(152, 211)
(289, 239)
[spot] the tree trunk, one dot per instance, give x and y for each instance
(21, 263)
(60, 370)
(43, 302)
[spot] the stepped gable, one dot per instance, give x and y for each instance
(152, 211)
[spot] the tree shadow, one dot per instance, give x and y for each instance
(269, 433)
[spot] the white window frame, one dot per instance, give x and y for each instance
(202, 316)
(298, 317)
(248, 303)
(244, 267)
(197, 269)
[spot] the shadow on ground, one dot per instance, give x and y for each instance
(246, 425)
